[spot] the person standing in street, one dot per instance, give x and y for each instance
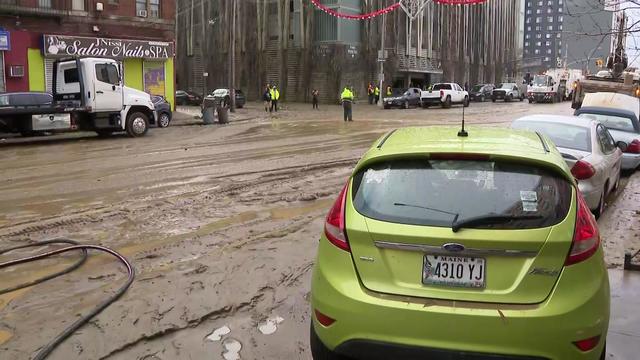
(275, 96)
(376, 94)
(314, 94)
(347, 100)
(370, 93)
(266, 97)
(389, 91)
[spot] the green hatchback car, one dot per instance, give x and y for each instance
(449, 247)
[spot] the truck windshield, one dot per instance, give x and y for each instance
(540, 80)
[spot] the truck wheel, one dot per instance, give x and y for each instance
(447, 103)
(530, 101)
(493, 99)
(521, 98)
(137, 124)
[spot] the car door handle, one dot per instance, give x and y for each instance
(99, 92)
(113, 87)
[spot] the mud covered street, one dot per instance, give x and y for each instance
(220, 222)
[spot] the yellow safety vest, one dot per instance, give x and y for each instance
(346, 94)
(377, 91)
(275, 94)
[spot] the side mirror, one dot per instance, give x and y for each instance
(622, 145)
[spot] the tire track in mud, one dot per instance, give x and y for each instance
(93, 215)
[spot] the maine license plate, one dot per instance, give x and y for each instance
(456, 271)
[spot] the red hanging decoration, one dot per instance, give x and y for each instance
(388, 9)
(355, 17)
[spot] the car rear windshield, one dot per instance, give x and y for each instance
(432, 192)
(442, 87)
(611, 121)
(563, 135)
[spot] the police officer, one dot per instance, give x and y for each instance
(347, 100)
(376, 94)
(275, 96)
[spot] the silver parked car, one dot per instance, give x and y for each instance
(588, 149)
(620, 114)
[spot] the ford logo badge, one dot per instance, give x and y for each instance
(453, 247)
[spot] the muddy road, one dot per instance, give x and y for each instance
(220, 222)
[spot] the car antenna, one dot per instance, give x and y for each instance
(463, 132)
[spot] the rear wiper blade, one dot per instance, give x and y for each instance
(429, 208)
(489, 219)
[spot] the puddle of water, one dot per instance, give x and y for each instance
(270, 325)
(287, 213)
(218, 333)
(232, 349)
(5, 336)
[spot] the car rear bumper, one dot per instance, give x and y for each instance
(431, 100)
(577, 308)
(630, 161)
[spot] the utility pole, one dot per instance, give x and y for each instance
(382, 59)
(232, 56)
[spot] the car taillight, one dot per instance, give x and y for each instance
(334, 225)
(441, 93)
(587, 344)
(582, 170)
(324, 319)
(633, 147)
(586, 237)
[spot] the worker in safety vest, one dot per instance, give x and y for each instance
(389, 91)
(275, 96)
(347, 100)
(370, 93)
(376, 94)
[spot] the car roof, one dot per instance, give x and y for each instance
(560, 119)
(613, 100)
(522, 145)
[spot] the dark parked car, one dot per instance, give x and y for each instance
(164, 111)
(404, 98)
(481, 92)
(188, 98)
(241, 100)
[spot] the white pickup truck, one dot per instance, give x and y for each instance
(88, 95)
(444, 94)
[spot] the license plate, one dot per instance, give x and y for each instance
(455, 271)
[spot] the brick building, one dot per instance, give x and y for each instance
(34, 33)
(298, 47)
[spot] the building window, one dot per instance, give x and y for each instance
(550, 27)
(550, 19)
(548, 36)
(154, 8)
(77, 5)
(538, 20)
(44, 3)
(546, 58)
(536, 51)
(141, 5)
